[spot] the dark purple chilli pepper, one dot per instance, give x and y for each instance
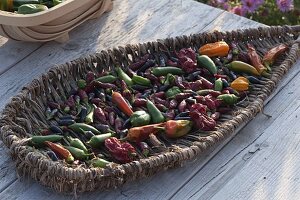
(98, 84)
(147, 65)
(111, 117)
(161, 101)
(83, 96)
(178, 82)
(161, 107)
(182, 106)
(144, 148)
(103, 128)
(55, 129)
(173, 104)
(139, 63)
(139, 103)
(182, 96)
(118, 124)
(90, 76)
(99, 115)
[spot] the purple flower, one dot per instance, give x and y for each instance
(238, 10)
(251, 5)
(285, 5)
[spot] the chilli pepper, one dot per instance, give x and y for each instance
(75, 142)
(83, 96)
(138, 134)
(78, 126)
(172, 92)
(144, 148)
(139, 118)
(39, 140)
(81, 83)
(90, 76)
(272, 54)
(206, 84)
(52, 155)
(208, 92)
(205, 62)
(220, 48)
(98, 84)
(90, 116)
(241, 67)
(182, 106)
(139, 63)
(98, 162)
(106, 79)
(31, 8)
(240, 84)
(97, 140)
(147, 65)
(121, 151)
(202, 121)
(229, 99)
(156, 115)
(139, 102)
(62, 152)
(121, 103)
(141, 80)
(78, 153)
(99, 115)
(163, 71)
(123, 76)
(218, 84)
(255, 60)
(177, 128)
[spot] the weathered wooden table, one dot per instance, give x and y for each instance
(260, 162)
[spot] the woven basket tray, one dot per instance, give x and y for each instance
(25, 112)
(53, 24)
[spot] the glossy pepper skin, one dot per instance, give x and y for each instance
(229, 99)
(39, 140)
(99, 162)
(241, 67)
(31, 8)
(177, 128)
(156, 115)
(139, 134)
(220, 48)
(97, 140)
(140, 118)
(273, 54)
(62, 152)
(123, 76)
(240, 84)
(207, 63)
(121, 103)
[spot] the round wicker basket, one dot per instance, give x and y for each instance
(53, 24)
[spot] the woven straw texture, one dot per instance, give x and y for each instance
(25, 112)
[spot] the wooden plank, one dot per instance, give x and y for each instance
(12, 52)
(234, 155)
(147, 187)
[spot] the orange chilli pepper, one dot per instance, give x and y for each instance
(118, 99)
(220, 48)
(240, 84)
(255, 60)
(272, 54)
(60, 151)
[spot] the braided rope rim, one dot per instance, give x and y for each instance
(24, 112)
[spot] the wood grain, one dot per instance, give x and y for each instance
(129, 22)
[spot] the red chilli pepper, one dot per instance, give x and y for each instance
(255, 59)
(123, 152)
(60, 151)
(272, 54)
(118, 99)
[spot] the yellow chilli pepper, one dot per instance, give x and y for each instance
(220, 48)
(240, 84)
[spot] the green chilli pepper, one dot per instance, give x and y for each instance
(75, 142)
(98, 162)
(241, 67)
(40, 139)
(207, 63)
(90, 116)
(140, 118)
(78, 153)
(81, 83)
(78, 126)
(97, 140)
(172, 92)
(163, 71)
(107, 79)
(31, 8)
(170, 79)
(229, 99)
(156, 115)
(141, 80)
(218, 84)
(122, 75)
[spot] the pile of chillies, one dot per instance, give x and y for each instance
(28, 6)
(130, 113)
